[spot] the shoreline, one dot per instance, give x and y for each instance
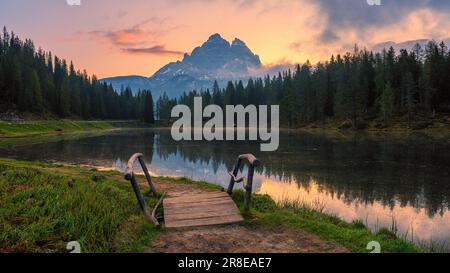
(34, 132)
(44, 183)
(60, 127)
(334, 134)
(436, 127)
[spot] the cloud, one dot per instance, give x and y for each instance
(329, 36)
(335, 26)
(272, 69)
(137, 39)
(358, 16)
(135, 35)
(359, 13)
(296, 46)
(125, 37)
(154, 50)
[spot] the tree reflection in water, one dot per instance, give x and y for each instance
(355, 175)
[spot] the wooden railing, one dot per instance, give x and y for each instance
(151, 217)
(248, 181)
(130, 176)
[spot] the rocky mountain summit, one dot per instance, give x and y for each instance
(217, 59)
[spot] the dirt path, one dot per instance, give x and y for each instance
(237, 238)
(240, 239)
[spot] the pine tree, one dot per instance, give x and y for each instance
(25, 94)
(230, 94)
(2, 79)
(409, 89)
(207, 98)
(75, 94)
(386, 103)
(38, 101)
(217, 97)
(64, 98)
(148, 108)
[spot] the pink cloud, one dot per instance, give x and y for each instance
(159, 50)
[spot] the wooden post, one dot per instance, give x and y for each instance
(129, 175)
(253, 163)
(137, 192)
(150, 218)
(237, 166)
(147, 175)
(249, 188)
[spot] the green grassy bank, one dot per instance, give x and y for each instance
(44, 206)
(49, 127)
(437, 128)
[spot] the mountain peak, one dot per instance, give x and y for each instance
(216, 38)
(238, 42)
(215, 59)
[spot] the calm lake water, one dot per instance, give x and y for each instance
(355, 177)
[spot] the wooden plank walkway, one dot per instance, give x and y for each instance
(200, 209)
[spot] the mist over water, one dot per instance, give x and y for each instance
(377, 180)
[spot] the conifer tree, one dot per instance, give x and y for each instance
(148, 108)
(409, 90)
(386, 103)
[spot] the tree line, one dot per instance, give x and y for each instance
(34, 81)
(356, 86)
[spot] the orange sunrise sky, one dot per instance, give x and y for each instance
(137, 37)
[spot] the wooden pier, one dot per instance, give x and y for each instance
(202, 209)
(196, 209)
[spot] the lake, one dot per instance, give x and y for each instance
(380, 180)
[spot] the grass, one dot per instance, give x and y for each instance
(36, 128)
(40, 211)
(18, 141)
(439, 128)
(310, 217)
(44, 206)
